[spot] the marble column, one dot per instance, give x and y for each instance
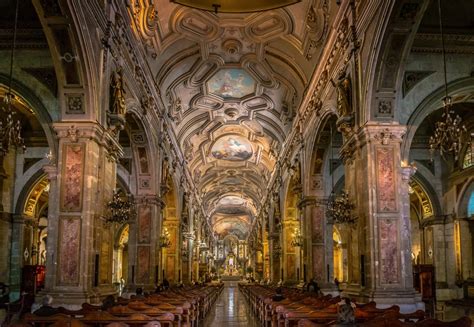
(380, 244)
(145, 242)
(318, 241)
(83, 175)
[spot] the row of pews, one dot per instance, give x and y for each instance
(300, 308)
(176, 307)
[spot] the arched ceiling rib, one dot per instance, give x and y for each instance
(231, 84)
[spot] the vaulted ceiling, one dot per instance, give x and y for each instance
(231, 84)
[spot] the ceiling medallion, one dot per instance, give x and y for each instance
(232, 6)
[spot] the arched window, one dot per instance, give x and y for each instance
(468, 159)
(470, 205)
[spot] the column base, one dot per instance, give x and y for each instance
(407, 300)
(69, 300)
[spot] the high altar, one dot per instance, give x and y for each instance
(231, 265)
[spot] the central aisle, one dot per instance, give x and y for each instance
(230, 309)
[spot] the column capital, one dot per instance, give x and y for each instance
(382, 133)
(51, 171)
(151, 199)
(308, 200)
(408, 170)
(75, 131)
(371, 133)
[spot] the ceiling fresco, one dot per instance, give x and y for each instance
(232, 84)
(233, 148)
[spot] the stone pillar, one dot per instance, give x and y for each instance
(85, 174)
(16, 259)
(147, 231)
(376, 181)
(318, 241)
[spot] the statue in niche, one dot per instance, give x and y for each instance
(344, 95)
(117, 93)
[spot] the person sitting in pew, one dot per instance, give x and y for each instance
(46, 309)
(278, 296)
(108, 302)
(346, 312)
(139, 293)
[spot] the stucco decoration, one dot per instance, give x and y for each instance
(71, 193)
(231, 83)
(233, 148)
(69, 244)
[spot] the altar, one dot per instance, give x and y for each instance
(231, 265)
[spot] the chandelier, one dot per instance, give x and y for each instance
(10, 128)
(165, 241)
(339, 208)
(449, 131)
(232, 6)
(297, 240)
(121, 208)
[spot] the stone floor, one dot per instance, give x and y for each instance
(230, 310)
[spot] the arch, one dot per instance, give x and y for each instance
(431, 103)
(399, 23)
(466, 202)
(338, 259)
(36, 105)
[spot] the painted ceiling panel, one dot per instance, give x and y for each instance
(231, 85)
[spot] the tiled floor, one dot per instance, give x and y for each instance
(230, 310)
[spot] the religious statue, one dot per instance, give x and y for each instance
(344, 95)
(117, 93)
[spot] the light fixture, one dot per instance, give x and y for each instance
(339, 207)
(10, 128)
(449, 131)
(121, 208)
(232, 6)
(165, 241)
(297, 240)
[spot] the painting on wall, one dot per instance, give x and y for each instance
(144, 224)
(386, 188)
(71, 193)
(231, 83)
(69, 244)
(232, 147)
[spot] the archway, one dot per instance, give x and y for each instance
(170, 235)
(35, 235)
(120, 271)
(291, 227)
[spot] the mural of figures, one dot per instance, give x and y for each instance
(388, 251)
(386, 197)
(233, 148)
(144, 224)
(231, 83)
(71, 195)
(70, 233)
